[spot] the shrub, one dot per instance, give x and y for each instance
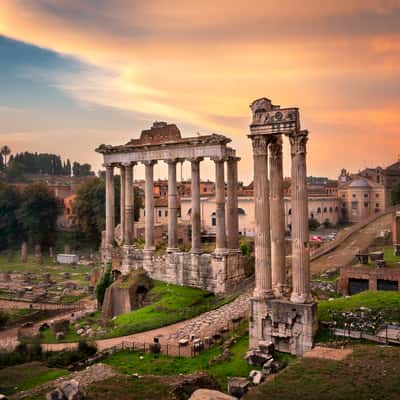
(88, 349)
(245, 248)
(104, 282)
(313, 224)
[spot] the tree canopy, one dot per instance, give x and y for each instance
(90, 206)
(38, 213)
(10, 230)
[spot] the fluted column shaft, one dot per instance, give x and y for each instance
(232, 221)
(122, 200)
(262, 232)
(277, 216)
(149, 205)
(129, 215)
(110, 205)
(220, 241)
(172, 206)
(300, 232)
(196, 227)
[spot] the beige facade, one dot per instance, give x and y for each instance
(361, 198)
(320, 208)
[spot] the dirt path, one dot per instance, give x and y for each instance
(328, 353)
(346, 251)
(199, 326)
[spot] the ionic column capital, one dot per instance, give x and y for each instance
(195, 160)
(298, 142)
(233, 159)
(149, 163)
(129, 164)
(219, 159)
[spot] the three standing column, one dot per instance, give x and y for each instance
(277, 216)
(110, 211)
(172, 206)
(220, 243)
(232, 217)
(300, 231)
(195, 215)
(263, 287)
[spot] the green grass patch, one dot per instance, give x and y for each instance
(370, 299)
(172, 304)
(371, 372)
(129, 362)
(27, 376)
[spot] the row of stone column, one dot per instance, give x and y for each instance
(227, 235)
(270, 217)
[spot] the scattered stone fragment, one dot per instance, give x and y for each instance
(238, 386)
(207, 394)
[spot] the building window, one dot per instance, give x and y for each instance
(319, 210)
(336, 209)
(190, 211)
(325, 209)
(241, 211)
(166, 213)
(377, 205)
(290, 211)
(366, 205)
(377, 195)
(354, 196)
(354, 205)
(330, 209)
(213, 219)
(159, 213)
(366, 195)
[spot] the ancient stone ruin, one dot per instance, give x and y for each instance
(287, 320)
(217, 272)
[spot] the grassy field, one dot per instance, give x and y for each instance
(172, 303)
(129, 362)
(371, 373)
(373, 300)
(27, 376)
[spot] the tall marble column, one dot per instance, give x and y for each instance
(300, 232)
(263, 287)
(196, 221)
(172, 206)
(277, 215)
(232, 217)
(129, 214)
(149, 206)
(110, 211)
(122, 200)
(220, 239)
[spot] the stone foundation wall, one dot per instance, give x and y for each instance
(215, 273)
(290, 327)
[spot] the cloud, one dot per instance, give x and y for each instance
(201, 64)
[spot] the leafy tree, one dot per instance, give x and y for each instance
(104, 282)
(10, 229)
(14, 171)
(245, 248)
(395, 195)
(313, 224)
(1, 162)
(5, 151)
(38, 214)
(82, 169)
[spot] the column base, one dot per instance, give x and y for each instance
(234, 251)
(172, 249)
(302, 298)
(220, 252)
(263, 294)
(195, 251)
(129, 258)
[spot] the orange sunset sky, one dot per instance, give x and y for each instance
(77, 73)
